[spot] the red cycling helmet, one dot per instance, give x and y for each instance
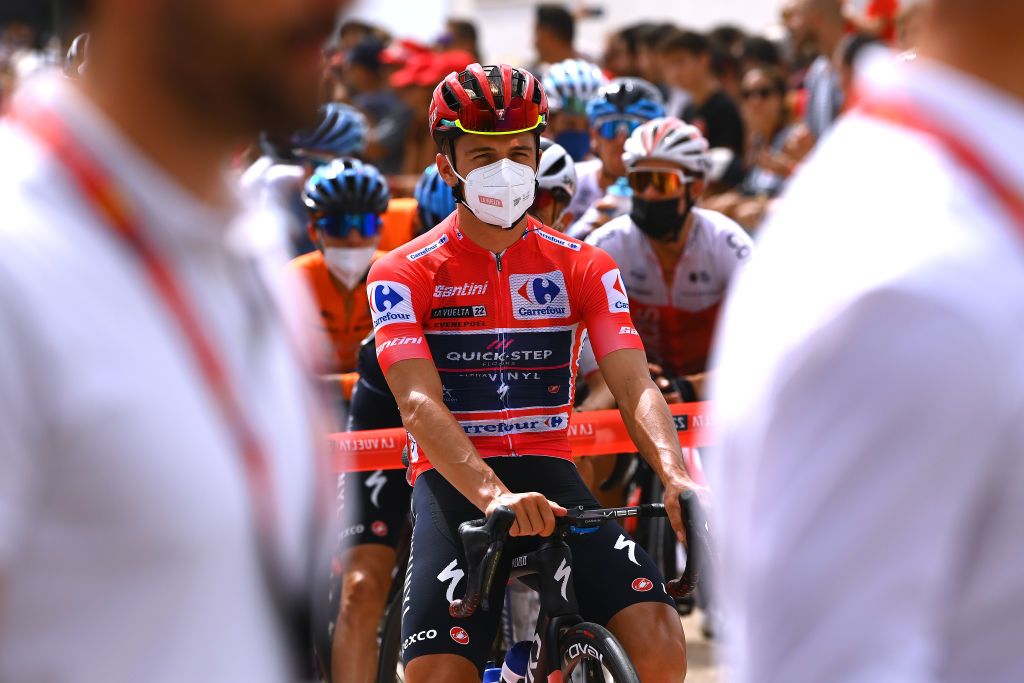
(488, 100)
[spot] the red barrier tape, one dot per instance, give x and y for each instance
(601, 432)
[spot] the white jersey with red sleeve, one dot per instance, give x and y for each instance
(503, 330)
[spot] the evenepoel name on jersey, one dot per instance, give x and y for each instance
(539, 296)
(524, 425)
(390, 302)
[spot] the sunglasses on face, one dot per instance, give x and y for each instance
(664, 180)
(612, 128)
(341, 224)
(759, 93)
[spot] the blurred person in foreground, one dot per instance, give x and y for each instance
(159, 487)
(869, 397)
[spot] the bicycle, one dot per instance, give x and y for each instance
(563, 642)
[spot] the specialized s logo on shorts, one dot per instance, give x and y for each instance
(614, 288)
(390, 302)
(540, 296)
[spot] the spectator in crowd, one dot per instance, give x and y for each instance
(389, 117)
(758, 52)
(726, 50)
(620, 54)
(352, 32)
(460, 34)
(649, 60)
(821, 23)
(414, 83)
(554, 33)
(770, 138)
(687, 60)
(849, 50)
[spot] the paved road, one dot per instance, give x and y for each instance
(699, 655)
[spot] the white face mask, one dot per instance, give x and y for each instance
(349, 264)
(499, 193)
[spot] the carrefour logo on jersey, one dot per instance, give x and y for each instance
(531, 424)
(390, 302)
(539, 296)
(618, 302)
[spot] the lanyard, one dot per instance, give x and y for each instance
(101, 193)
(902, 113)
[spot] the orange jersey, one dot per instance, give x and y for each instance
(398, 223)
(344, 316)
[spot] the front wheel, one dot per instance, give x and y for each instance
(590, 654)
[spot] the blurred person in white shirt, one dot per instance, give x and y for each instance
(158, 495)
(870, 485)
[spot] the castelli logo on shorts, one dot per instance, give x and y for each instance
(459, 635)
(642, 585)
(379, 528)
(490, 201)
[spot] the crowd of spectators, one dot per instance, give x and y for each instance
(761, 100)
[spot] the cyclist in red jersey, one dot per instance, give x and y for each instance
(478, 329)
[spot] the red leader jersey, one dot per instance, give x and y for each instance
(504, 330)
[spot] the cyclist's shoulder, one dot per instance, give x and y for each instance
(618, 234)
(725, 237)
(555, 244)
(309, 262)
(421, 254)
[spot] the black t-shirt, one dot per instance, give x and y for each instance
(720, 119)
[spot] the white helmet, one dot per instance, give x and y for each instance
(556, 169)
(669, 139)
(571, 84)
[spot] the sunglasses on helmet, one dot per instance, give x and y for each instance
(341, 224)
(663, 180)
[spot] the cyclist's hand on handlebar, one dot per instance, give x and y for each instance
(674, 487)
(535, 514)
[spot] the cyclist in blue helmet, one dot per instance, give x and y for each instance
(617, 110)
(276, 179)
(342, 132)
(345, 200)
(570, 86)
(434, 199)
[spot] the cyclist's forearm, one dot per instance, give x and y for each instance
(451, 453)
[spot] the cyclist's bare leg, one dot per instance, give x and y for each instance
(447, 668)
(367, 577)
(653, 638)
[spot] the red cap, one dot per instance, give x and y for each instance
(428, 68)
(399, 52)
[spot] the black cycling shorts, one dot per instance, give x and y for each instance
(372, 507)
(611, 572)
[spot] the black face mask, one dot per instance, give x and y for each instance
(660, 220)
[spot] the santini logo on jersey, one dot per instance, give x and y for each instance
(553, 423)
(539, 296)
(436, 244)
(390, 302)
(466, 289)
(616, 292)
(400, 341)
